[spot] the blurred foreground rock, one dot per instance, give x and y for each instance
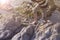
(12, 28)
(25, 34)
(47, 31)
(10, 24)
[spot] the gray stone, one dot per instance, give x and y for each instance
(25, 34)
(9, 23)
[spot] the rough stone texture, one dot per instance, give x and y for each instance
(9, 22)
(49, 31)
(25, 34)
(11, 28)
(57, 3)
(55, 17)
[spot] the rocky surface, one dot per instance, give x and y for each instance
(25, 34)
(47, 31)
(14, 27)
(11, 28)
(9, 22)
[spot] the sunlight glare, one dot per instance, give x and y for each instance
(4, 2)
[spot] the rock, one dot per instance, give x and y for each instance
(9, 23)
(12, 28)
(47, 32)
(25, 34)
(42, 32)
(57, 3)
(55, 17)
